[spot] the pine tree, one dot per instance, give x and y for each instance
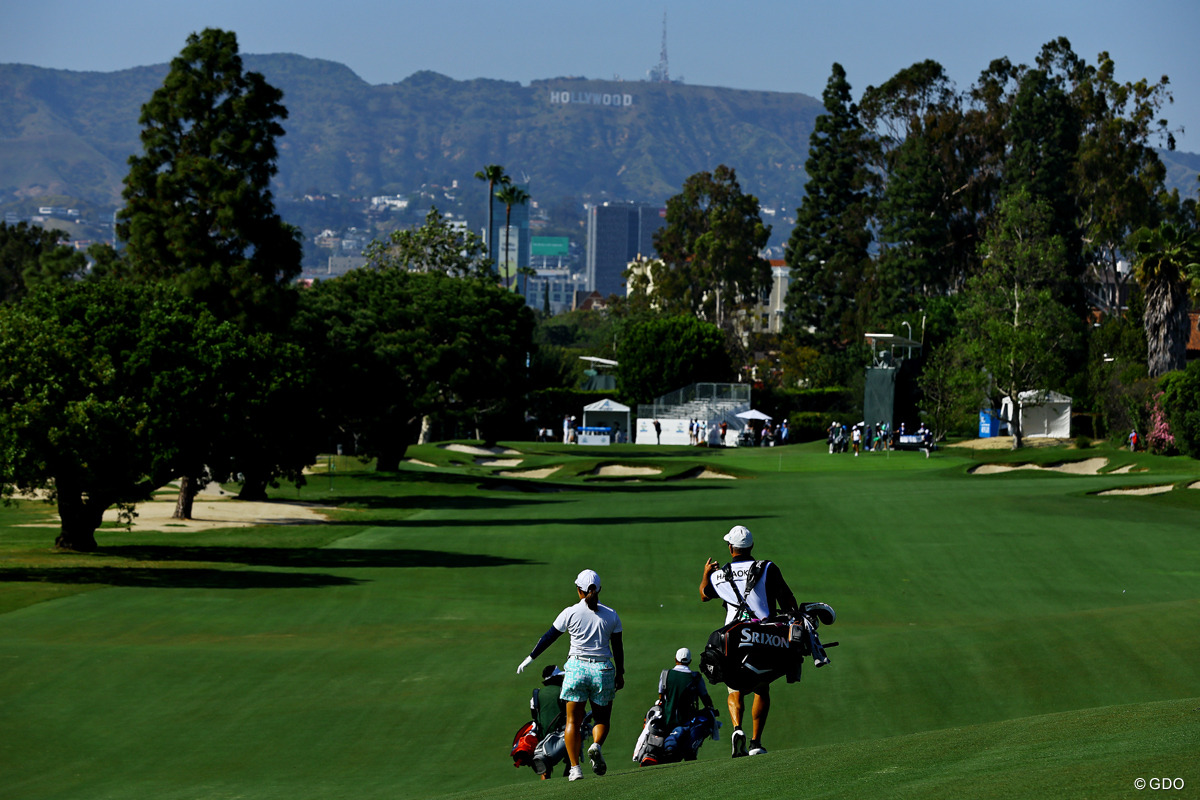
(198, 205)
(828, 246)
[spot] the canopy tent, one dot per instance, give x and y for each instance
(607, 413)
(754, 414)
(1042, 413)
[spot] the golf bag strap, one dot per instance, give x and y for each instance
(756, 572)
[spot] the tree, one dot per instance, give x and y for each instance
(927, 231)
(102, 386)
(1181, 402)
(31, 256)
(1167, 270)
(1044, 130)
(511, 195)
(710, 248)
(828, 246)
(493, 175)
(1013, 328)
(435, 246)
(390, 347)
(198, 205)
(952, 391)
(662, 354)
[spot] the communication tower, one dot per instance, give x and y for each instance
(660, 73)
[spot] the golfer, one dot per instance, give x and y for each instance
(770, 592)
(591, 674)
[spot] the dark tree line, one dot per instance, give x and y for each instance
(924, 200)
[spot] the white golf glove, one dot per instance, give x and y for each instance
(528, 660)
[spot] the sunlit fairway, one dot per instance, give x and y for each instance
(1004, 635)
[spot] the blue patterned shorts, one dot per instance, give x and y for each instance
(589, 680)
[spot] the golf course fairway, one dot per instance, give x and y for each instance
(1015, 634)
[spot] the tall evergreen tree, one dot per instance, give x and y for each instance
(199, 212)
(828, 247)
(198, 204)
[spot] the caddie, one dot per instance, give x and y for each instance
(769, 595)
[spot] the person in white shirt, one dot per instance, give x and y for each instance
(595, 669)
(769, 595)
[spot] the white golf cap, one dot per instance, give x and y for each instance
(588, 578)
(739, 536)
(683, 655)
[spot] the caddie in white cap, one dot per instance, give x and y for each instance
(768, 594)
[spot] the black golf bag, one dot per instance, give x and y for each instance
(749, 653)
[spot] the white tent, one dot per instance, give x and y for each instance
(607, 413)
(1042, 413)
(754, 413)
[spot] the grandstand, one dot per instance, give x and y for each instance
(713, 403)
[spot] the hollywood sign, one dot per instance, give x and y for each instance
(590, 99)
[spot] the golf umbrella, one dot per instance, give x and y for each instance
(753, 414)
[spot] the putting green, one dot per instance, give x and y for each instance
(375, 656)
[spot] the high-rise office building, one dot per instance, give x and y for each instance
(617, 234)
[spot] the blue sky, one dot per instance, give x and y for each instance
(771, 45)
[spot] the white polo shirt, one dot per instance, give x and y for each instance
(758, 603)
(589, 630)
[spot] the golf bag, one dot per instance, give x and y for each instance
(524, 743)
(657, 745)
(749, 653)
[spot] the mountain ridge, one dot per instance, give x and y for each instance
(69, 134)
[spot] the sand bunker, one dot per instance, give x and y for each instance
(479, 451)
(1124, 469)
(212, 510)
(624, 471)
(419, 463)
(498, 462)
(713, 474)
(531, 473)
(1090, 466)
(1139, 490)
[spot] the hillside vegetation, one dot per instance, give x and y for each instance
(68, 133)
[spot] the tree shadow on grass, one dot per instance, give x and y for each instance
(197, 577)
(173, 578)
(309, 557)
(607, 521)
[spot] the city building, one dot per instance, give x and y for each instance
(618, 233)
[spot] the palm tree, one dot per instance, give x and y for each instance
(511, 195)
(495, 176)
(1166, 270)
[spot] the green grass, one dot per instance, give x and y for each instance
(1002, 636)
